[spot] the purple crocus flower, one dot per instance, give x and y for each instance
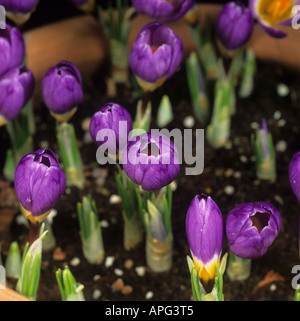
(39, 183)
(111, 126)
(62, 90)
(294, 174)
(16, 88)
(272, 15)
(251, 228)
(12, 48)
(205, 234)
(19, 10)
(151, 160)
(155, 55)
(163, 10)
(234, 26)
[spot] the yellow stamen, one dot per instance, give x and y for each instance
(275, 11)
(3, 121)
(64, 117)
(207, 272)
(148, 86)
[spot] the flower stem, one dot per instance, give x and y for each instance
(238, 269)
(34, 231)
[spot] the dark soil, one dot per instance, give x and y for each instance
(174, 285)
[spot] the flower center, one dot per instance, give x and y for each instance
(151, 150)
(260, 220)
(274, 11)
(154, 48)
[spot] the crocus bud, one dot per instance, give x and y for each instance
(16, 88)
(84, 5)
(151, 160)
(234, 27)
(62, 90)
(294, 174)
(163, 10)
(205, 233)
(19, 10)
(251, 228)
(39, 184)
(110, 127)
(273, 15)
(155, 55)
(12, 48)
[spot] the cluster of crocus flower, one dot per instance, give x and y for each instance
(251, 228)
(19, 11)
(16, 80)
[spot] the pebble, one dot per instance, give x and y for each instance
(127, 289)
(243, 159)
(96, 277)
(104, 224)
(85, 124)
(229, 190)
(281, 146)
(189, 122)
(237, 174)
(97, 294)
(281, 122)
(58, 254)
(174, 186)
(118, 272)
(149, 295)
(75, 261)
(282, 90)
(128, 264)
(228, 172)
(140, 271)
(208, 190)
(277, 115)
(279, 199)
(118, 285)
(44, 144)
(109, 261)
(273, 287)
(115, 199)
(254, 125)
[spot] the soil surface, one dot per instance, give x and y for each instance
(233, 166)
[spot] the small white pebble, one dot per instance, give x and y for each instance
(118, 272)
(189, 122)
(128, 264)
(254, 125)
(44, 144)
(115, 199)
(104, 224)
(273, 287)
(229, 190)
(277, 115)
(282, 90)
(109, 261)
(20, 219)
(243, 159)
(281, 146)
(97, 294)
(96, 277)
(237, 174)
(75, 261)
(279, 199)
(149, 295)
(140, 271)
(281, 122)
(174, 186)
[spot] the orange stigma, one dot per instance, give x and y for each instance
(275, 11)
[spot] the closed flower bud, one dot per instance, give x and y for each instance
(273, 15)
(294, 174)
(39, 184)
(205, 233)
(151, 160)
(16, 88)
(163, 10)
(19, 10)
(62, 90)
(234, 27)
(251, 228)
(111, 126)
(156, 54)
(12, 48)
